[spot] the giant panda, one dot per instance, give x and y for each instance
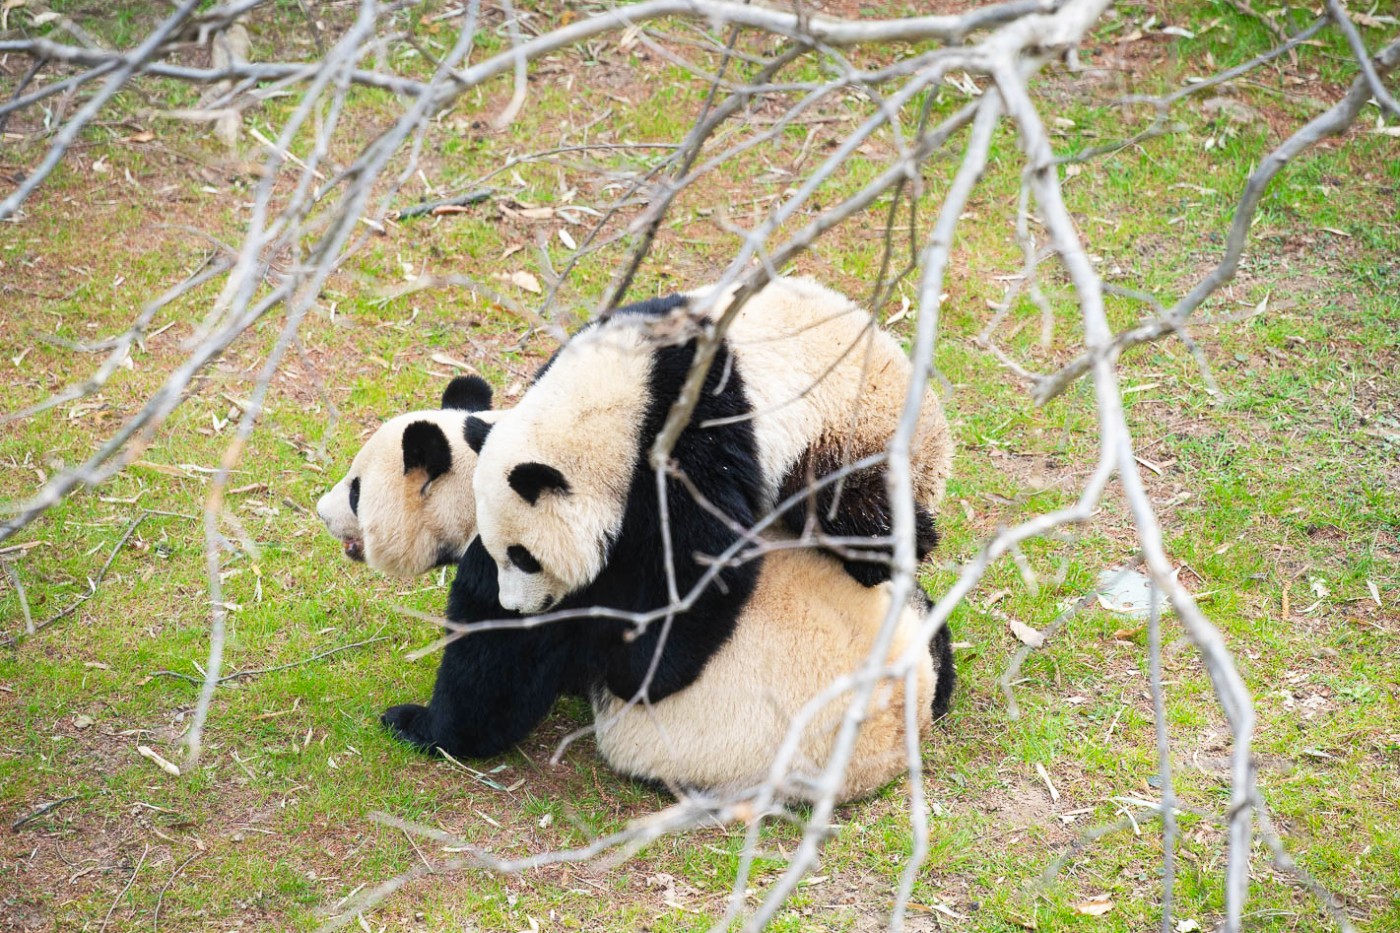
(805, 623)
(425, 523)
(569, 508)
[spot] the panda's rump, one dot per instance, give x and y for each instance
(723, 732)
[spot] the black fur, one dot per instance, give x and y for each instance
(862, 512)
(476, 431)
(522, 559)
(493, 686)
(355, 496)
(941, 647)
(722, 463)
(425, 447)
(467, 393)
(530, 480)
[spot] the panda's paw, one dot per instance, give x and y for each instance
(406, 722)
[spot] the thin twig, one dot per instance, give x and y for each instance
(117, 900)
(160, 898)
(256, 672)
(42, 810)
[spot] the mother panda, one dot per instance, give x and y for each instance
(805, 625)
(803, 384)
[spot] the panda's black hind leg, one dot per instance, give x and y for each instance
(862, 511)
(941, 647)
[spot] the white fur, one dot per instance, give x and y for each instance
(807, 625)
(405, 526)
(818, 373)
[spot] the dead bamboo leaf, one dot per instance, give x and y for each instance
(442, 359)
(524, 281)
(1045, 776)
(168, 767)
(1025, 634)
(1094, 907)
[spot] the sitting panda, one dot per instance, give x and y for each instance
(803, 383)
(805, 624)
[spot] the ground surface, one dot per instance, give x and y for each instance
(1279, 498)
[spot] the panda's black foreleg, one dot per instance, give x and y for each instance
(862, 511)
(492, 689)
(493, 685)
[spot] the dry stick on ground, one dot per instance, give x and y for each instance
(160, 898)
(434, 207)
(42, 810)
(259, 671)
(93, 584)
(118, 899)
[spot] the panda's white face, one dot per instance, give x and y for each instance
(406, 504)
(524, 585)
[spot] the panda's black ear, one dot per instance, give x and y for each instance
(425, 447)
(476, 431)
(467, 393)
(532, 479)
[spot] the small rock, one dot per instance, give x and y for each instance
(82, 721)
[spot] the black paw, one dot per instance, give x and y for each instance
(406, 722)
(867, 572)
(925, 534)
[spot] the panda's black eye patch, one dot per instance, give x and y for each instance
(355, 496)
(522, 559)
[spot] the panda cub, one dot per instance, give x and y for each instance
(722, 732)
(570, 511)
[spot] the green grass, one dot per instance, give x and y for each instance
(1286, 483)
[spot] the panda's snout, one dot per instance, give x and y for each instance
(355, 549)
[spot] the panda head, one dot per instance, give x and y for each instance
(407, 505)
(553, 479)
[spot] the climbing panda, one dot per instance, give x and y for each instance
(804, 624)
(569, 508)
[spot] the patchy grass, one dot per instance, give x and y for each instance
(1278, 498)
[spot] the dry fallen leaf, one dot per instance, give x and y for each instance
(1095, 906)
(1025, 634)
(525, 281)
